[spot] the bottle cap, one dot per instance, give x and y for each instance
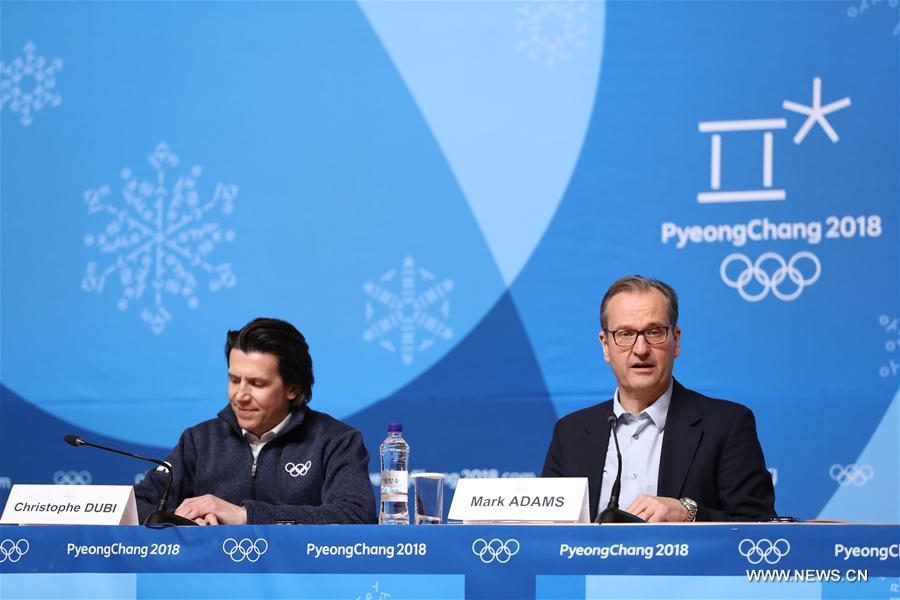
(395, 428)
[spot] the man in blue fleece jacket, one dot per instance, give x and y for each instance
(267, 457)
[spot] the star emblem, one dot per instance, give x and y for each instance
(816, 113)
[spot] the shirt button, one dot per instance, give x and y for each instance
(634, 475)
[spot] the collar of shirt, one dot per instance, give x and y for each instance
(267, 436)
(657, 411)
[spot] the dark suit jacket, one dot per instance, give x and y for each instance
(710, 453)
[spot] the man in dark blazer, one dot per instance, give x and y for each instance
(691, 457)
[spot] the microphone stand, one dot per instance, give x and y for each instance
(159, 517)
(612, 513)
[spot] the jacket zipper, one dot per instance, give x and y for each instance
(253, 471)
(253, 476)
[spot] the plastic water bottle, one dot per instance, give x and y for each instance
(394, 478)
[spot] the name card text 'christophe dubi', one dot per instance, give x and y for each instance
(70, 505)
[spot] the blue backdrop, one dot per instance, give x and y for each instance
(437, 194)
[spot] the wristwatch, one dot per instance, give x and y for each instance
(691, 507)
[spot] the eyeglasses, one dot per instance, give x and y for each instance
(626, 338)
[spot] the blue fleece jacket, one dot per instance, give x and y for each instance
(316, 470)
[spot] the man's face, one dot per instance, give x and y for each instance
(257, 394)
(643, 371)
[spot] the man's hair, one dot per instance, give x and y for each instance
(274, 336)
(638, 284)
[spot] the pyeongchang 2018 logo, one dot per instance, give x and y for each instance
(757, 276)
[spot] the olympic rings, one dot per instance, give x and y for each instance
(297, 469)
(784, 270)
(496, 549)
(72, 478)
(764, 550)
(12, 551)
(245, 549)
(857, 475)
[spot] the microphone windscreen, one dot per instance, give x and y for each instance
(72, 440)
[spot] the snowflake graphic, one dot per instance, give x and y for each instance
(27, 84)
(816, 113)
(551, 31)
(864, 5)
(400, 319)
(892, 328)
(378, 595)
(159, 239)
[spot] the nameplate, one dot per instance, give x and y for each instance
(525, 500)
(70, 505)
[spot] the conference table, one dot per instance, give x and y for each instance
(371, 562)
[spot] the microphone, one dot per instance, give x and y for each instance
(612, 513)
(159, 516)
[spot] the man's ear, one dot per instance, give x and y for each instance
(604, 343)
(293, 392)
(677, 335)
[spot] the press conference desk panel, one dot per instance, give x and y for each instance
(451, 561)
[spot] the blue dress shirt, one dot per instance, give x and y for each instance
(640, 439)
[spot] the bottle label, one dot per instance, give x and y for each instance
(394, 482)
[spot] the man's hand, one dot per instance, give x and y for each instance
(656, 509)
(209, 519)
(210, 510)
